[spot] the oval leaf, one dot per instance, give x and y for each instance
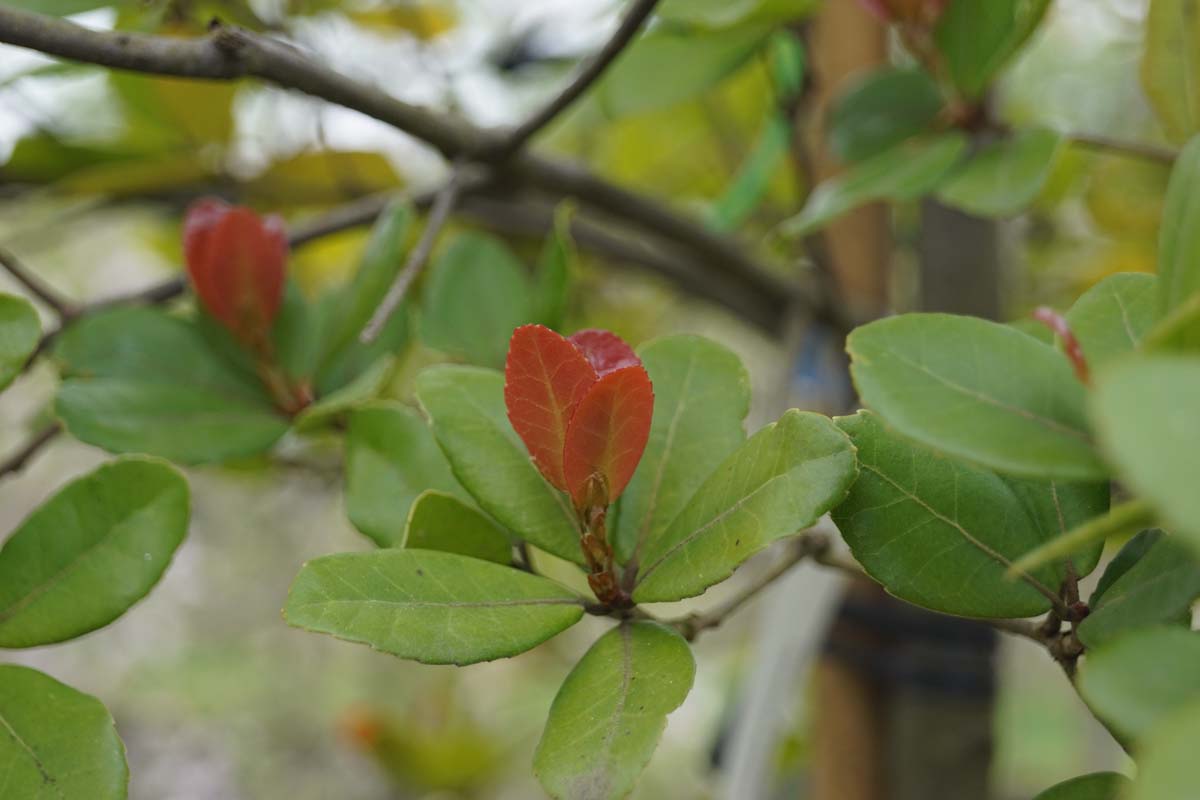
(1170, 70)
(608, 432)
(940, 533)
(545, 377)
(1145, 412)
(1097, 786)
(436, 608)
(1112, 317)
(1003, 178)
(604, 350)
(1136, 680)
(20, 330)
(466, 409)
(443, 522)
(701, 397)
(611, 711)
(56, 742)
(978, 390)
(882, 109)
(391, 458)
(1179, 238)
(1167, 758)
(92, 551)
(776, 484)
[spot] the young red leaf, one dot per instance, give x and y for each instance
(608, 433)
(606, 351)
(237, 261)
(545, 377)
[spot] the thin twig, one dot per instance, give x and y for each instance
(17, 460)
(64, 308)
(439, 215)
(1147, 152)
(638, 13)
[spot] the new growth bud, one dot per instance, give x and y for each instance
(237, 262)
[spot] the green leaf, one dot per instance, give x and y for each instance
(882, 109)
(1159, 588)
(20, 330)
(93, 550)
(1097, 786)
(62, 8)
(1145, 412)
(608, 716)
(353, 304)
(552, 284)
(701, 397)
(477, 295)
(977, 39)
(1003, 178)
(976, 390)
(355, 394)
(391, 458)
(1179, 331)
(940, 533)
(138, 380)
(685, 64)
(1171, 67)
(466, 409)
(436, 608)
(753, 179)
(1179, 239)
(776, 484)
(1129, 554)
(1167, 758)
(56, 742)
(905, 172)
(321, 177)
(724, 13)
(1112, 317)
(295, 334)
(440, 521)
(1135, 681)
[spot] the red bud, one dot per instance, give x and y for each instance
(237, 261)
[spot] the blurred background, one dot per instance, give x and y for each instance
(214, 696)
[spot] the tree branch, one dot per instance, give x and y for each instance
(230, 53)
(595, 67)
(443, 205)
(16, 462)
(61, 306)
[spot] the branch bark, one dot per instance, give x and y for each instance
(61, 306)
(17, 461)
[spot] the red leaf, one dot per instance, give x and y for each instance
(237, 261)
(606, 351)
(608, 432)
(545, 377)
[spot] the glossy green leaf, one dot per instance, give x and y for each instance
(882, 109)
(391, 458)
(436, 608)
(940, 533)
(1159, 588)
(977, 39)
(1167, 758)
(905, 172)
(56, 742)
(611, 711)
(466, 409)
(139, 380)
(1170, 67)
(776, 484)
(20, 330)
(1136, 680)
(1097, 786)
(354, 304)
(1130, 553)
(93, 550)
(976, 390)
(1003, 178)
(1145, 412)
(701, 397)
(1179, 239)
(440, 521)
(477, 295)
(1113, 317)
(685, 65)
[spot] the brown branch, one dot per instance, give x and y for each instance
(16, 462)
(64, 308)
(638, 13)
(443, 205)
(1147, 152)
(230, 53)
